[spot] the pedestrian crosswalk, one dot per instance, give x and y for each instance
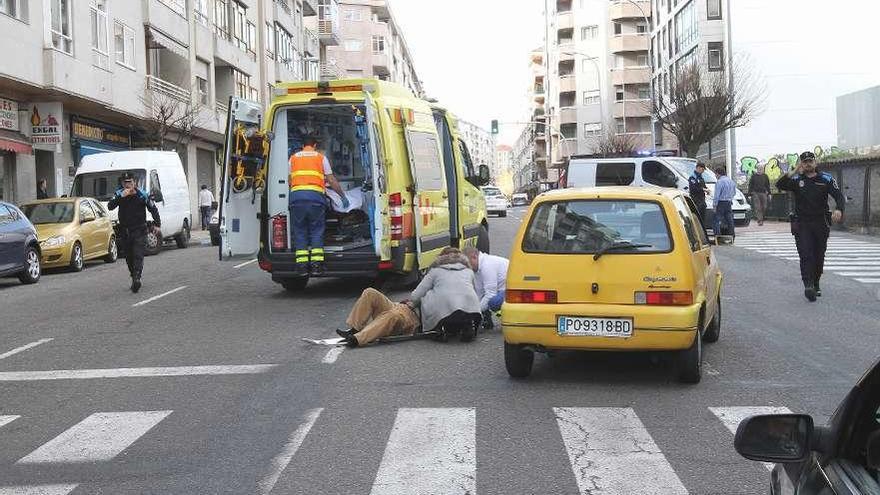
(854, 258)
(427, 450)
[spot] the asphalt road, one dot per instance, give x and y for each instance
(210, 389)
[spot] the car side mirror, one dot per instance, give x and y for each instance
(873, 450)
(156, 197)
(86, 219)
(775, 438)
(484, 175)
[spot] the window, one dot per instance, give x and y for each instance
(619, 95)
(641, 28)
(352, 45)
(270, 40)
(621, 126)
(685, 215)
(591, 97)
(466, 160)
(14, 8)
(176, 5)
(201, 11)
(644, 92)
(713, 9)
(589, 32)
(155, 186)
(716, 56)
(98, 18)
(99, 209)
(658, 174)
(586, 226)
(61, 29)
(6, 216)
(202, 88)
(424, 153)
(252, 38)
(239, 25)
(353, 15)
(85, 211)
(287, 54)
(618, 28)
(615, 174)
(378, 45)
(242, 83)
(221, 18)
(592, 129)
(642, 60)
(686, 29)
(123, 42)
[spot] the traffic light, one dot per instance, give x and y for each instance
(494, 127)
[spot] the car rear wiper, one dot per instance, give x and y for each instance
(614, 246)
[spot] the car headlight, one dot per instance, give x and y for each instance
(54, 241)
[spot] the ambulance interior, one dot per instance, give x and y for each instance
(344, 138)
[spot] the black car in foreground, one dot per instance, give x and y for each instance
(19, 247)
(839, 458)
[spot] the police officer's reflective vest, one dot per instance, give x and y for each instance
(307, 171)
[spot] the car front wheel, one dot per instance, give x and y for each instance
(76, 258)
(32, 268)
(518, 360)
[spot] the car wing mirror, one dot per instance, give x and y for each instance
(782, 438)
(484, 175)
(874, 450)
(156, 197)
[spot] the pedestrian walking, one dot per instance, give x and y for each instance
(206, 199)
(42, 191)
(309, 172)
(812, 219)
(725, 191)
(491, 281)
(131, 229)
(759, 191)
(447, 288)
(698, 190)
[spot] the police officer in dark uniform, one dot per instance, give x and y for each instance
(697, 189)
(811, 223)
(132, 227)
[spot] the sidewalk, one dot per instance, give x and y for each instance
(200, 238)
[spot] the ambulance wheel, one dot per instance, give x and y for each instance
(483, 239)
(518, 360)
(295, 284)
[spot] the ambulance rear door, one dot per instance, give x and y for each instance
(239, 206)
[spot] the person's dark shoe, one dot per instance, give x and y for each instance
(810, 293)
(135, 284)
(345, 333)
(351, 341)
(488, 324)
(817, 289)
(316, 268)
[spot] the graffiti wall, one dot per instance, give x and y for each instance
(777, 165)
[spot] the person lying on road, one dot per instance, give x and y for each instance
(448, 287)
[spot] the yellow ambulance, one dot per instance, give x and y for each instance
(412, 186)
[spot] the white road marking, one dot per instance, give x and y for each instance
(280, 461)
(5, 420)
(430, 452)
(332, 354)
(26, 376)
(37, 490)
(246, 263)
(24, 348)
(98, 438)
(868, 280)
(858, 274)
(611, 452)
(733, 416)
(160, 296)
(849, 267)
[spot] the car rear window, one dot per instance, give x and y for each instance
(491, 191)
(585, 226)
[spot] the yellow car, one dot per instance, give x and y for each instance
(611, 268)
(72, 231)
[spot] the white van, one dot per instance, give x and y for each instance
(160, 173)
(649, 172)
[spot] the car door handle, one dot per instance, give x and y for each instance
(445, 196)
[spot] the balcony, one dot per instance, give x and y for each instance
(381, 64)
(310, 7)
(328, 22)
(630, 75)
(159, 86)
(567, 84)
(566, 148)
(626, 10)
(632, 108)
(568, 115)
(565, 20)
(311, 45)
(222, 107)
(330, 70)
(169, 18)
(566, 54)
(629, 43)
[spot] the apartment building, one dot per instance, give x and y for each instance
(372, 46)
(858, 119)
(85, 76)
(525, 171)
(599, 74)
(503, 163)
(692, 32)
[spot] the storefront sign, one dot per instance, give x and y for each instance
(46, 124)
(8, 114)
(96, 131)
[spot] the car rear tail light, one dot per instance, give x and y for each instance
(265, 265)
(530, 296)
(395, 204)
(665, 298)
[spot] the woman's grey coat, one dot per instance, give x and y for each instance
(447, 288)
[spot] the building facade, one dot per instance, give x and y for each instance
(599, 74)
(502, 175)
(88, 76)
(372, 45)
(480, 142)
(692, 32)
(858, 119)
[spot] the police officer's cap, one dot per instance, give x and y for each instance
(808, 156)
(127, 176)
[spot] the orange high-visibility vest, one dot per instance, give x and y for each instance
(307, 171)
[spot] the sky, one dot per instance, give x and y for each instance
(473, 56)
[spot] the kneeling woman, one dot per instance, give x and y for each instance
(448, 287)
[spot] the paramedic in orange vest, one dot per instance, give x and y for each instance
(309, 170)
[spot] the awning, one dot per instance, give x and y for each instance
(168, 42)
(15, 142)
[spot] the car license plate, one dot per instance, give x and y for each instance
(594, 327)
(739, 216)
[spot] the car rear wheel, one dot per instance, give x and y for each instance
(483, 239)
(691, 362)
(32, 268)
(112, 251)
(76, 258)
(182, 238)
(295, 284)
(518, 360)
(713, 331)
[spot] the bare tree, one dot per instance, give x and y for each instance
(170, 117)
(700, 104)
(612, 145)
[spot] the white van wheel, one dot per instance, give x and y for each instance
(182, 237)
(154, 243)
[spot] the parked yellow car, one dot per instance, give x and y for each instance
(72, 231)
(617, 269)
